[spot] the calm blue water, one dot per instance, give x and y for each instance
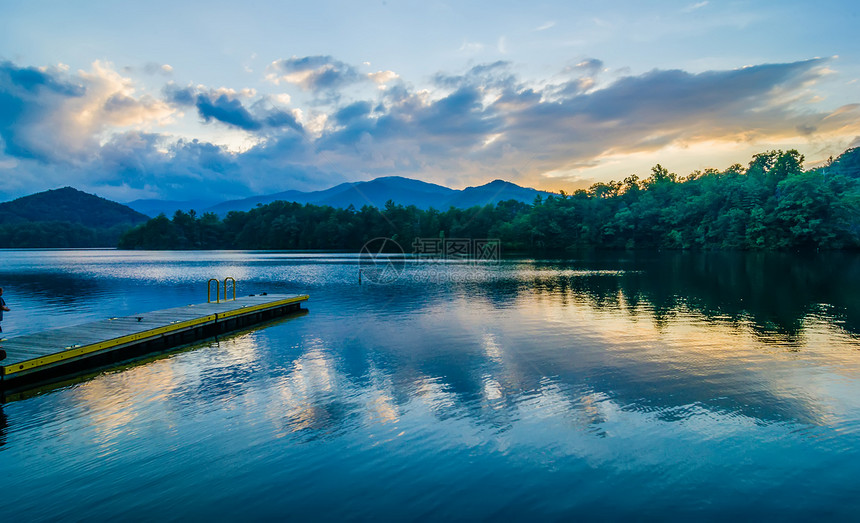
(646, 386)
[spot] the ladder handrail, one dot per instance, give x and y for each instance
(225, 287)
(217, 291)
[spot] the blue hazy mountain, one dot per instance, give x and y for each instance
(249, 203)
(376, 193)
(402, 191)
(493, 193)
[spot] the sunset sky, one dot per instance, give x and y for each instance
(222, 100)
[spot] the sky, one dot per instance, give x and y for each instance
(220, 100)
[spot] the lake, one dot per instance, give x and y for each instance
(644, 385)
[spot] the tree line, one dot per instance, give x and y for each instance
(58, 234)
(772, 204)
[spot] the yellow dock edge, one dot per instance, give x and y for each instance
(254, 308)
(42, 361)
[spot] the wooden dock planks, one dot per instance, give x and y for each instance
(30, 354)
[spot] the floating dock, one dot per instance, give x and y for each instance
(60, 353)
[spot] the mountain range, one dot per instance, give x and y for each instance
(68, 217)
(376, 193)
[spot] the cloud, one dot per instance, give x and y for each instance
(680, 96)
(135, 165)
(31, 80)
(29, 97)
(694, 7)
(152, 68)
(351, 112)
(51, 115)
(521, 129)
(462, 128)
(494, 75)
(590, 66)
(662, 108)
(313, 73)
(227, 110)
(325, 76)
(383, 77)
(225, 106)
(471, 47)
(111, 101)
(584, 77)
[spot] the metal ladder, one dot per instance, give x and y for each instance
(218, 290)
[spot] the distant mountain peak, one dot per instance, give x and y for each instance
(498, 183)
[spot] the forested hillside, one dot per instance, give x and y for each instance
(64, 218)
(772, 204)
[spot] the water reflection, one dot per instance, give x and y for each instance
(774, 292)
(3, 424)
(530, 377)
